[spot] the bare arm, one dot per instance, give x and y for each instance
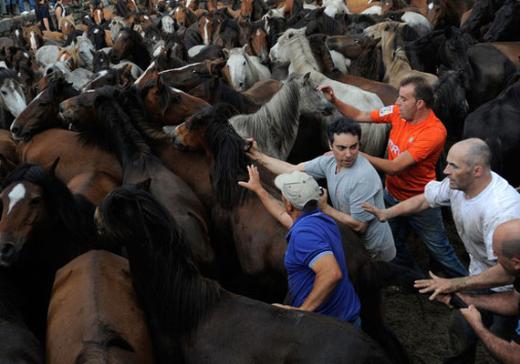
(46, 24)
(391, 167)
(492, 277)
(407, 207)
(328, 274)
(503, 303)
(274, 165)
(271, 204)
(505, 352)
(341, 217)
(344, 108)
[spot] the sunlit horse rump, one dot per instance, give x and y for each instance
(93, 313)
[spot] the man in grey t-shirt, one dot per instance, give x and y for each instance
(351, 180)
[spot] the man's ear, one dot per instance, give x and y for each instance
(515, 261)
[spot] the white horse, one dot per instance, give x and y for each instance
(82, 46)
(12, 97)
(245, 70)
(78, 77)
(293, 47)
(275, 125)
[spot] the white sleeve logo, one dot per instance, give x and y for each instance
(387, 110)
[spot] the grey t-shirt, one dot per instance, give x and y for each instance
(349, 189)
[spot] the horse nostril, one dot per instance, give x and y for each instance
(6, 251)
(15, 129)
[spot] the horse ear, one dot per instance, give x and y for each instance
(52, 170)
(306, 77)
(226, 52)
(144, 185)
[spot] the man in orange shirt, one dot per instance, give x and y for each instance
(416, 141)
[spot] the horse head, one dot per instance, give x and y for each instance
(12, 96)
(258, 44)
(312, 100)
(168, 105)
(42, 111)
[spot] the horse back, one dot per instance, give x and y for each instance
(94, 315)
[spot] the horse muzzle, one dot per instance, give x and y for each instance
(7, 254)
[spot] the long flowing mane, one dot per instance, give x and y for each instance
(228, 151)
(219, 91)
(276, 123)
(160, 262)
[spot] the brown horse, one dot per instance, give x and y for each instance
(258, 44)
(94, 314)
(97, 174)
(42, 111)
(169, 105)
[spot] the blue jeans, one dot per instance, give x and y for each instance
(21, 6)
(429, 227)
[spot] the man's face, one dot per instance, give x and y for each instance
(407, 102)
(345, 148)
(458, 171)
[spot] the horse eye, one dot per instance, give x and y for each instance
(35, 200)
(291, 35)
(243, 64)
(4, 92)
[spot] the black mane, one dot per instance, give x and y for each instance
(228, 150)
(160, 263)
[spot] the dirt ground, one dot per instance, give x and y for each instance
(420, 324)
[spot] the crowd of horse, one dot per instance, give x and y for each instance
(124, 136)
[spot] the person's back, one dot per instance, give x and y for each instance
(312, 235)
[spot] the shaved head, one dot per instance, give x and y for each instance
(506, 239)
(474, 151)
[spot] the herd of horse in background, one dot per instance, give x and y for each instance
(87, 118)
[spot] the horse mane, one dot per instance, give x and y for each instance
(130, 147)
(228, 151)
(219, 91)
(275, 122)
(70, 212)
(161, 263)
(151, 132)
(321, 53)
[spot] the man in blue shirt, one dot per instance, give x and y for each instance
(315, 261)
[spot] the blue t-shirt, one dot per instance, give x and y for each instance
(312, 236)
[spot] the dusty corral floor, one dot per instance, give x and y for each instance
(420, 324)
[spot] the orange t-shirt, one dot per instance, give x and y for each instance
(424, 141)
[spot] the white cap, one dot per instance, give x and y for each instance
(298, 188)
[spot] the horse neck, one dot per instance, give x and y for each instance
(279, 116)
(185, 298)
(303, 61)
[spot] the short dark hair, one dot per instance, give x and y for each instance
(310, 206)
(343, 126)
(423, 91)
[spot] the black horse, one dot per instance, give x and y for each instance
(42, 227)
(197, 321)
(496, 122)
(17, 343)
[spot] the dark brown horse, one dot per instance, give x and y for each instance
(259, 239)
(42, 111)
(42, 227)
(210, 324)
(129, 45)
(139, 163)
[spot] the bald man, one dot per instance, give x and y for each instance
(480, 200)
(506, 245)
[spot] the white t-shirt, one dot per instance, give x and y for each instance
(477, 218)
